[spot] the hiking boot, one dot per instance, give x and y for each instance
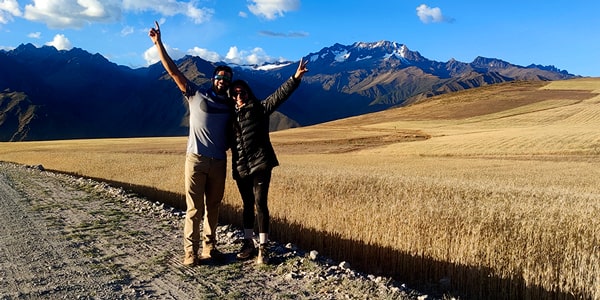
(190, 259)
(263, 255)
(212, 253)
(248, 250)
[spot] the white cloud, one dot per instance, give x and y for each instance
(8, 9)
(171, 8)
(431, 14)
(233, 55)
(60, 14)
(151, 54)
(199, 15)
(272, 9)
(205, 54)
(281, 34)
(72, 13)
(35, 35)
(127, 31)
(60, 42)
(92, 8)
(256, 56)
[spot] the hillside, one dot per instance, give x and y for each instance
(493, 103)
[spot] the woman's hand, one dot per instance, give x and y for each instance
(301, 69)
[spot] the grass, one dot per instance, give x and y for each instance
(492, 191)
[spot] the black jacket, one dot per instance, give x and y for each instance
(251, 150)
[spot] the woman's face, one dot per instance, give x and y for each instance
(240, 95)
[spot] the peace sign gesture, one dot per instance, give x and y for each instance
(301, 69)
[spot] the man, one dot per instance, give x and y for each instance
(206, 159)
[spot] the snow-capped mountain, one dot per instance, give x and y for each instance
(51, 94)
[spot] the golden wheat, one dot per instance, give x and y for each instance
(535, 219)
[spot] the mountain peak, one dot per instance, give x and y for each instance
(480, 61)
(380, 44)
(371, 51)
(29, 49)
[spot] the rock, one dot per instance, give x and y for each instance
(344, 265)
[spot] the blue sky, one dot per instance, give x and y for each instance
(565, 34)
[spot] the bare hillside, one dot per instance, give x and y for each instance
(437, 116)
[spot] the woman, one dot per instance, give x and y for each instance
(253, 157)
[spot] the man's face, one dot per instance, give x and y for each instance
(221, 82)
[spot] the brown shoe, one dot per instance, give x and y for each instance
(263, 255)
(190, 259)
(248, 250)
(213, 253)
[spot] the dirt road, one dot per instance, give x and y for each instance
(71, 238)
(60, 240)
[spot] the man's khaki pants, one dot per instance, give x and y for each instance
(204, 189)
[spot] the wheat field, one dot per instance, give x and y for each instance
(486, 193)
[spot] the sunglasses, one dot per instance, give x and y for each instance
(222, 77)
(240, 93)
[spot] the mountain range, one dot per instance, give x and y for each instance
(47, 94)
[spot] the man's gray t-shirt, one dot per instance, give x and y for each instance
(209, 120)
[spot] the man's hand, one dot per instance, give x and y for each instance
(301, 69)
(155, 33)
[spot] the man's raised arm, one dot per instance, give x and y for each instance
(166, 61)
